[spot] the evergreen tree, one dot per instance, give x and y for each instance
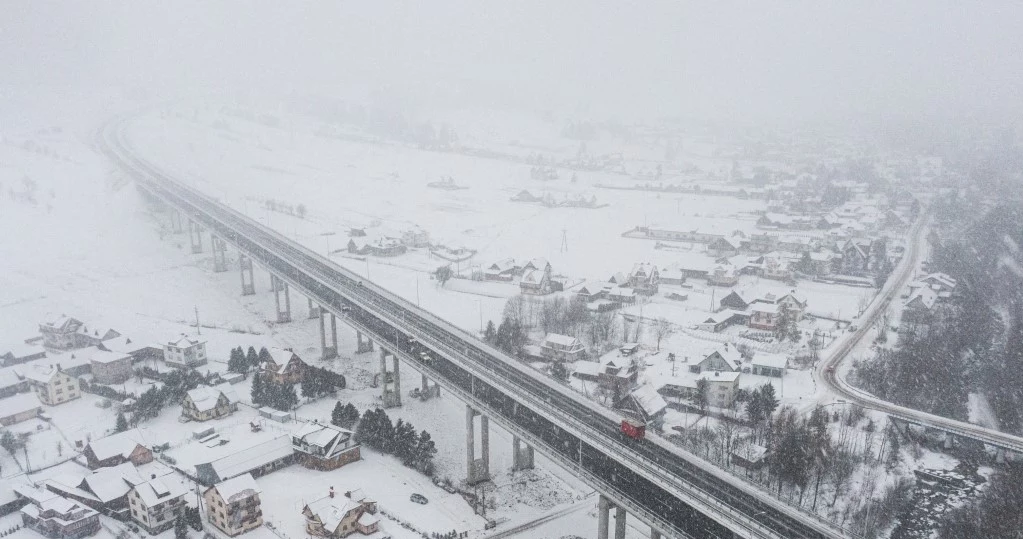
(180, 527)
(490, 333)
(700, 399)
(770, 402)
(337, 415)
(122, 422)
(237, 362)
(264, 355)
(385, 432)
(350, 416)
(406, 442)
(424, 453)
(252, 358)
(287, 398)
(258, 390)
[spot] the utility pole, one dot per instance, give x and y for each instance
(198, 328)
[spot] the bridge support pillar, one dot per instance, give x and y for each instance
(427, 391)
(248, 285)
(219, 253)
(329, 352)
(314, 309)
(362, 344)
(603, 516)
(391, 389)
(279, 286)
(195, 236)
(949, 439)
(478, 470)
(522, 457)
(999, 456)
(619, 523)
(175, 218)
(654, 534)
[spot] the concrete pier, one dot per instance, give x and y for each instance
(249, 283)
(219, 247)
(391, 395)
(280, 289)
(477, 469)
(195, 236)
(522, 455)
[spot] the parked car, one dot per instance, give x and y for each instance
(418, 498)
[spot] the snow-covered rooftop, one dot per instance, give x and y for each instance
(237, 488)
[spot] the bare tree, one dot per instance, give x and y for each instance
(662, 329)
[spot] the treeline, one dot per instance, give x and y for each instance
(570, 316)
(415, 450)
(176, 384)
(965, 345)
(279, 396)
(241, 362)
(317, 382)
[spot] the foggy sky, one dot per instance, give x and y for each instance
(730, 61)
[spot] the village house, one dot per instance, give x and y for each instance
(52, 385)
(722, 319)
(722, 388)
(386, 246)
(726, 358)
(557, 347)
(940, 283)
(673, 275)
(55, 517)
(415, 237)
(137, 351)
(19, 408)
(616, 375)
(258, 460)
(156, 503)
(283, 367)
(822, 263)
(646, 404)
(536, 281)
(17, 354)
(117, 449)
(59, 332)
(11, 384)
(792, 303)
(110, 367)
(322, 446)
(591, 291)
(205, 403)
(859, 256)
(525, 196)
(621, 296)
(86, 336)
(104, 490)
(776, 268)
(339, 516)
(723, 275)
(233, 506)
(917, 310)
(185, 352)
(726, 247)
(502, 270)
(619, 279)
(748, 455)
(765, 316)
(644, 279)
(765, 364)
(734, 300)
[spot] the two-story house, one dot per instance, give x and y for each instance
(185, 352)
(205, 403)
(726, 359)
(764, 316)
(283, 367)
(156, 503)
(233, 506)
(644, 279)
(536, 279)
(339, 516)
(59, 331)
(56, 517)
(52, 385)
(323, 446)
(558, 347)
(110, 367)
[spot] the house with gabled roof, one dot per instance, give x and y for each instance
(726, 358)
(52, 385)
(56, 517)
(765, 316)
(646, 404)
(536, 281)
(105, 489)
(19, 408)
(323, 446)
(644, 278)
(205, 403)
(283, 367)
(562, 347)
(723, 246)
(234, 506)
(110, 367)
(734, 300)
(156, 503)
(259, 460)
(591, 291)
(339, 516)
(185, 352)
(116, 449)
(919, 307)
(60, 331)
(723, 275)
(18, 353)
(93, 336)
(502, 270)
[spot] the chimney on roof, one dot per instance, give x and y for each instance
(331, 492)
(717, 373)
(152, 476)
(348, 494)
